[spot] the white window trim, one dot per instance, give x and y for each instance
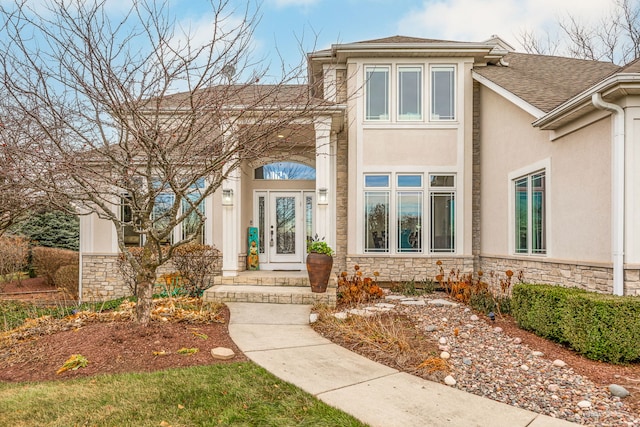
(393, 189)
(539, 166)
(390, 95)
(423, 80)
(454, 96)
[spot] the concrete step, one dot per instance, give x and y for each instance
(269, 294)
(269, 278)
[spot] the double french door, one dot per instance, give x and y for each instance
(285, 223)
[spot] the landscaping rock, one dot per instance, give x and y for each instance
(497, 329)
(474, 318)
(431, 328)
(449, 380)
(553, 388)
(537, 353)
(584, 404)
(559, 363)
(313, 317)
(340, 315)
(467, 361)
(442, 340)
(413, 302)
(618, 391)
(222, 353)
(517, 340)
(445, 355)
(442, 303)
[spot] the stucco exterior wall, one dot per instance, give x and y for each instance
(416, 147)
(578, 182)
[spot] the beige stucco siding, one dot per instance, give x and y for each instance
(578, 181)
(403, 147)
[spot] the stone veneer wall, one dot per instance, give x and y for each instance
(102, 280)
(339, 263)
(595, 278)
(397, 269)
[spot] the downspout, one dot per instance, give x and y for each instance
(617, 193)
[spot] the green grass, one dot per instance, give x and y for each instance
(239, 394)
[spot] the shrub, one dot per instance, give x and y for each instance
(46, 261)
(13, 257)
(485, 296)
(67, 279)
(603, 327)
(358, 289)
(540, 308)
(197, 265)
(52, 229)
(414, 287)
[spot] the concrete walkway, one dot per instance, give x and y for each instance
(278, 338)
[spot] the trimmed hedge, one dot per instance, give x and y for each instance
(601, 327)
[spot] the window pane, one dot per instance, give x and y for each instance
(161, 214)
(442, 180)
(376, 205)
(284, 171)
(410, 93)
(442, 88)
(409, 207)
(193, 220)
(131, 238)
(376, 180)
(377, 93)
(521, 215)
(538, 241)
(409, 180)
(308, 217)
(442, 222)
(285, 225)
(261, 223)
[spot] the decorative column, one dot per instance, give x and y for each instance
(231, 190)
(325, 182)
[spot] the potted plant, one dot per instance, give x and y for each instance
(319, 264)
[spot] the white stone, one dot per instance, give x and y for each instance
(618, 390)
(444, 319)
(524, 367)
(442, 302)
(466, 310)
(431, 328)
(394, 297)
(474, 318)
(497, 329)
(443, 347)
(313, 317)
(445, 355)
(340, 315)
(442, 340)
(537, 353)
(465, 335)
(553, 388)
(559, 363)
(584, 404)
(413, 302)
(517, 340)
(222, 353)
(360, 312)
(449, 380)
(385, 305)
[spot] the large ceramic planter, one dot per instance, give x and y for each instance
(319, 270)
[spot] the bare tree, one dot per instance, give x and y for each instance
(134, 121)
(613, 38)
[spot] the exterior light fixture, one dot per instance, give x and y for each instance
(227, 197)
(323, 197)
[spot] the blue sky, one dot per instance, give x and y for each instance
(319, 23)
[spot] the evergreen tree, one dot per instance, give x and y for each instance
(53, 229)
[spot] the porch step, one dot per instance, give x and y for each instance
(269, 278)
(269, 294)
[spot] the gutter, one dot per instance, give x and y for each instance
(617, 193)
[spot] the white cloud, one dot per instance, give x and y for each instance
(477, 20)
(294, 3)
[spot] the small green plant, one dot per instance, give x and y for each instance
(414, 287)
(319, 246)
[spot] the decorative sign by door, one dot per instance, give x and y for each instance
(253, 260)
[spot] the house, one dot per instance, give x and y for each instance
(426, 150)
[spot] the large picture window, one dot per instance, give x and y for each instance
(398, 200)
(442, 93)
(409, 93)
(377, 93)
(530, 217)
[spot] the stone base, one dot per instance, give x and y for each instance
(269, 294)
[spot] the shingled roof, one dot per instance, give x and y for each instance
(546, 81)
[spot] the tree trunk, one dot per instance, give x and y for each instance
(145, 300)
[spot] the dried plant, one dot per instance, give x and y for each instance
(357, 289)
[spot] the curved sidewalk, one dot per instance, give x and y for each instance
(278, 338)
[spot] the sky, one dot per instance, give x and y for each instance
(288, 27)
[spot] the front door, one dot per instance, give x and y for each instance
(285, 219)
(284, 228)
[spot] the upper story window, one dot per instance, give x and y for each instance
(409, 93)
(442, 93)
(377, 93)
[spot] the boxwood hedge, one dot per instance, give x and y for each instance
(601, 327)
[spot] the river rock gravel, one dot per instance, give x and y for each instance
(486, 361)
